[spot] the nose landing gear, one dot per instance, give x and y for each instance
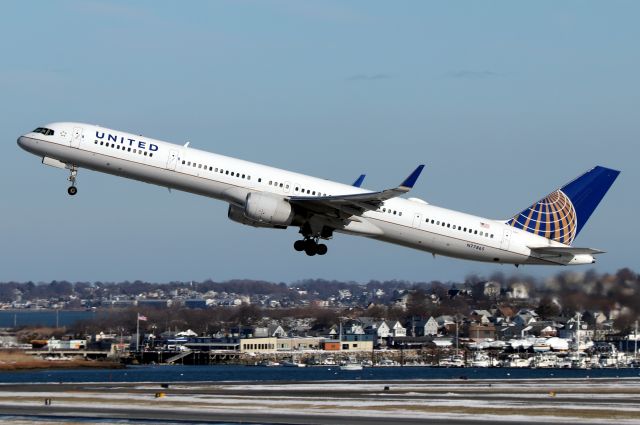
(72, 190)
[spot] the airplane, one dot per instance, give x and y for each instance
(267, 197)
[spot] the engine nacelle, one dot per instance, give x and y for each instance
(237, 214)
(582, 259)
(267, 209)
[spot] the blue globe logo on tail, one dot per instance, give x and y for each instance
(553, 217)
(561, 215)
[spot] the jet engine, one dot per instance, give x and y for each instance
(262, 210)
(267, 209)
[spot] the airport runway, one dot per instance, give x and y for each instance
(351, 403)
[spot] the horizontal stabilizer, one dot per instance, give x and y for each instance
(562, 250)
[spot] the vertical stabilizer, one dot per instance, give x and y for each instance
(561, 215)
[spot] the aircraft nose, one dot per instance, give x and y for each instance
(21, 141)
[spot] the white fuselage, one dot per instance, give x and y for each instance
(409, 222)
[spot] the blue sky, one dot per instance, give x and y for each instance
(504, 102)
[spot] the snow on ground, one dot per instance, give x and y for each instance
(586, 401)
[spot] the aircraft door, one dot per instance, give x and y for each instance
(506, 239)
(417, 219)
(173, 160)
(76, 137)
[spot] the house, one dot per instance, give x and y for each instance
(525, 318)
(481, 316)
(424, 327)
(274, 331)
(401, 301)
(518, 291)
(479, 331)
(396, 329)
(492, 289)
(571, 331)
(380, 328)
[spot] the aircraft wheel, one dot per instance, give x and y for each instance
(311, 249)
(72, 190)
(322, 249)
(299, 245)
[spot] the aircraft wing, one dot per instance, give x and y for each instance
(357, 203)
(564, 250)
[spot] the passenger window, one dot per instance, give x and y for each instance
(150, 153)
(227, 172)
(145, 153)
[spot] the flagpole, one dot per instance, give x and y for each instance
(137, 332)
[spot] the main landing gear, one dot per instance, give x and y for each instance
(72, 190)
(310, 246)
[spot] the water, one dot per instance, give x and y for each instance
(9, 318)
(282, 374)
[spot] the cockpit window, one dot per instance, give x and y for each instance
(45, 131)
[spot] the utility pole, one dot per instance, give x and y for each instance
(635, 343)
(457, 337)
(578, 333)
